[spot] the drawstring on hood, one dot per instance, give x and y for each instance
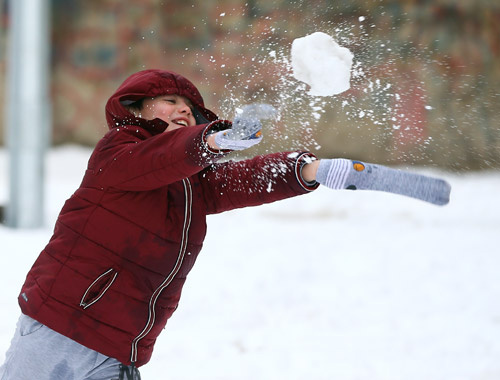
(152, 83)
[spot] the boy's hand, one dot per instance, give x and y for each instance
(247, 128)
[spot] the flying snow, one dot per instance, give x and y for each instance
(322, 63)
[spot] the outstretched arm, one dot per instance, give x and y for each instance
(252, 182)
(137, 164)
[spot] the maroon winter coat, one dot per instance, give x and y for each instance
(123, 244)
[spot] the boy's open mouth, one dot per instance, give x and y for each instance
(181, 122)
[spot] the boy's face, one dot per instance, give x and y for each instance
(175, 110)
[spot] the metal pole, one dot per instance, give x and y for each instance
(27, 110)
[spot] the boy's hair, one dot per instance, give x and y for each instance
(135, 107)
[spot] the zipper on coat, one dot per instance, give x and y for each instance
(97, 289)
(166, 282)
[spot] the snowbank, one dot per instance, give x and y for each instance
(332, 285)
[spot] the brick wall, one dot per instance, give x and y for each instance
(440, 58)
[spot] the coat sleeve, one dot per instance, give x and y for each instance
(124, 161)
(253, 182)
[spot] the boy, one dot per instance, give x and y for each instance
(104, 287)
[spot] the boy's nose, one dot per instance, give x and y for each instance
(184, 108)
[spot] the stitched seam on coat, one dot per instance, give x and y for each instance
(63, 264)
(122, 218)
(108, 250)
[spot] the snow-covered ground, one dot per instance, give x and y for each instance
(332, 285)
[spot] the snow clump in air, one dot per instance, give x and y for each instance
(321, 63)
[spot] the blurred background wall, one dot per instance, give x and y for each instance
(425, 90)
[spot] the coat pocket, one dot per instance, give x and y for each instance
(97, 289)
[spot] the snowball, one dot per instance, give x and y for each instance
(321, 63)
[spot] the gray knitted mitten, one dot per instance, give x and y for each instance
(355, 175)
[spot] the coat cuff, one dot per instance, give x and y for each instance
(213, 127)
(200, 152)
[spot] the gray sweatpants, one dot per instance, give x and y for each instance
(37, 352)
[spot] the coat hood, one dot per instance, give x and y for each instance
(151, 83)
